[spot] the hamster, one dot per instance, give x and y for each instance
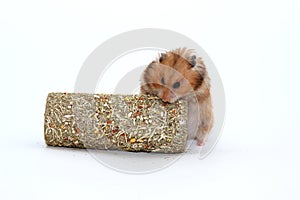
(180, 74)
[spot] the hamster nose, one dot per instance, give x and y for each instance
(168, 96)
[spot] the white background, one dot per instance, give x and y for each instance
(254, 44)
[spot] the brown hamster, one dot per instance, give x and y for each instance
(181, 74)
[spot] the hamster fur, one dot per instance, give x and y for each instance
(181, 74)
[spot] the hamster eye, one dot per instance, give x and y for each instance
(176, 85)
(163, 80)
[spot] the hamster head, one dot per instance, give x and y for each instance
(175, 74)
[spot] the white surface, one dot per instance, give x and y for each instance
(255, 46)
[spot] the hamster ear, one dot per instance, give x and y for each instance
(152, 64)
(193, 60)
(162, 57)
